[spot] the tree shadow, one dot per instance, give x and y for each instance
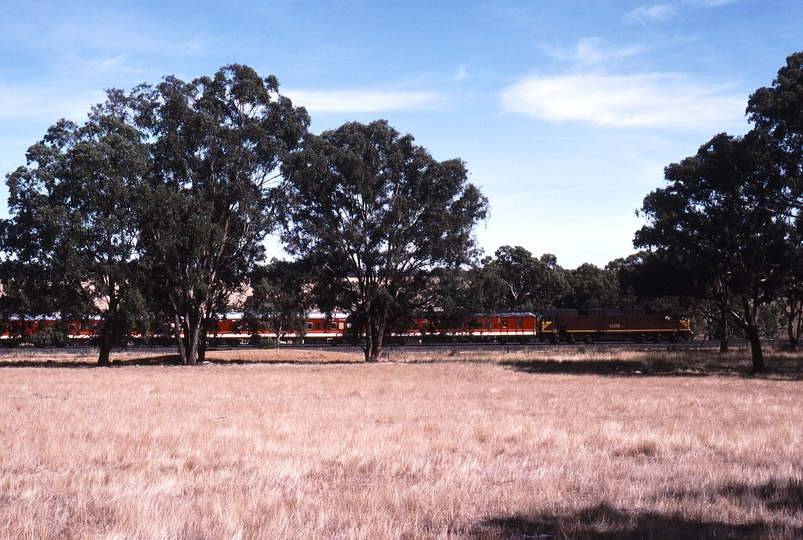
(775, 496)
(606, 522)
(791, 370)
(90, 362)
(155, 360)
(579, 367)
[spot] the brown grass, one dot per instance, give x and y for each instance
(475, 449)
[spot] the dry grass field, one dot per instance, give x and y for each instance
(289, 444)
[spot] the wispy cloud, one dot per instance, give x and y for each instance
(653, 100)
(364, 100)
(661, 12)
(592, 51)
(461, 74)
(664, 12)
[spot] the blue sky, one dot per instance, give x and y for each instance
(565, 112)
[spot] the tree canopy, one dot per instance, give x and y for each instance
(72, 228)
(716, 226)
(179, 180)
(379, 210)
(515, 280)
(215, 146)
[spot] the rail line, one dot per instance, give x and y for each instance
(435, 348)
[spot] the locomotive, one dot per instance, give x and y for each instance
(639, 325)
(553, 326)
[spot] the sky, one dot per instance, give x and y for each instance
(565, 111)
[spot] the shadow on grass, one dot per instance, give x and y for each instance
(68, 363)
(605, 522)
(774, 496)
(156, 360)
(684, 365)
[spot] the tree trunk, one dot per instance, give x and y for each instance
(193, 340)
(755, 348)
(793, 323)
(723, 336)
(182, 349)
(376, 345)
(379, 337)
(369, 332)
(106, 342)
(202, 344)
(370, 341)
(109, 329)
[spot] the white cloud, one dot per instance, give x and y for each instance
(592, 51)
(653, 100)
(461, 73)
(663, 12)
(364, 100)
(653, 13)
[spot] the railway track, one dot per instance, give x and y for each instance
(517, 347)
(80, 350)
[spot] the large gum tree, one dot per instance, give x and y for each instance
(716, 228)
(216, 144)
(377, 211)
(71, 243)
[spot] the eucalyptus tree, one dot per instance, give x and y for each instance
(777, 112)
(590, 286)
(716, 227)
(71, 242)
(515, 280)
(378, 210)
(215, 145)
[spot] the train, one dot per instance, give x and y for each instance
(552, 326)
(638, 325)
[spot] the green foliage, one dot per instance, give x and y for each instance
(590, 286)
(279, 297)
(516, 281)
(72, 240)
(728, 225)
(379, 211)
(777, 113)
(262, 342)
(716, 227)
(216, 145)
(49, 337)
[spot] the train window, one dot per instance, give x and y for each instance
(317, 326)
(333, 326)
(520, 323)
(309, 326)
(504, 323)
